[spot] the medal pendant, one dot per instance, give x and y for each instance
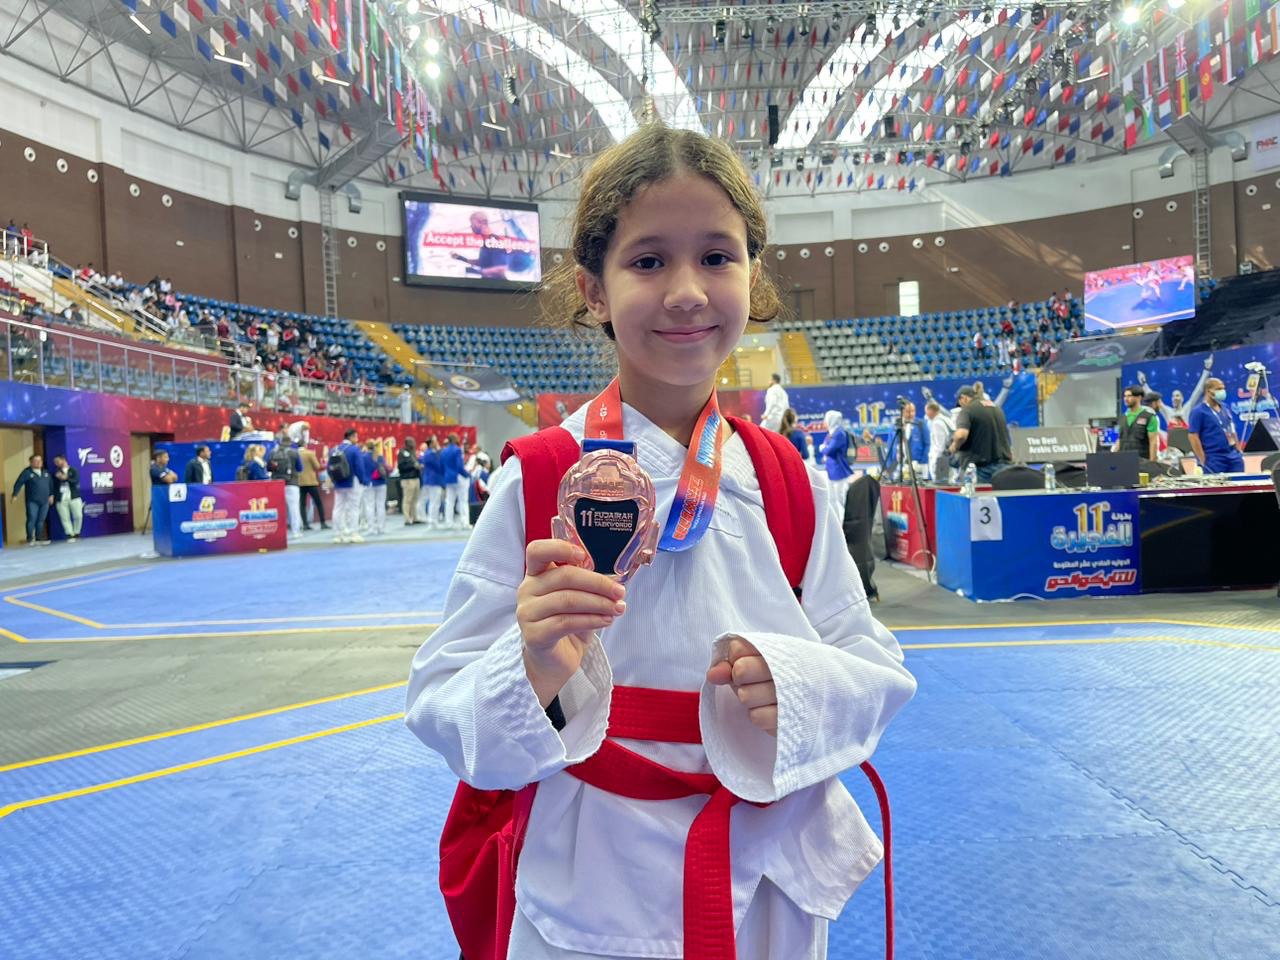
(606, 506)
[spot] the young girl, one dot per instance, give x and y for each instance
(667, 244)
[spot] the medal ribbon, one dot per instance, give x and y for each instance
(699, 485)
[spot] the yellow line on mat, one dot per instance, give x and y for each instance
(206, 634)
(209, 725)
(194, 765)
(12, 636)
(55, 613)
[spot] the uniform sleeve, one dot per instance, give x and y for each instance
(1195, 421)
(836, 696)
(469, 698)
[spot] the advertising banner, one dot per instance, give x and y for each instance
(101, 455)
(1180, 382)
(197, 520)
(1043, 546)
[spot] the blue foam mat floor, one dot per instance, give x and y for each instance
(1117, 800)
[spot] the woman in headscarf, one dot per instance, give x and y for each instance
(835, 453)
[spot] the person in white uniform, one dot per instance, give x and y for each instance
(791, 691)
(776, 403)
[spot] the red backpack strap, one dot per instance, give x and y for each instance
(544, 457)
(788, 496)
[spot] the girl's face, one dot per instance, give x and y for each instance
(676, 284)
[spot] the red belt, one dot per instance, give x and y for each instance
(484, 832)
(671, 716)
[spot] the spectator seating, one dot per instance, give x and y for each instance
(538, 359)
(889, 349)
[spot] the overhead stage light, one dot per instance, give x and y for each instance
(432, 69)
(1130, 16)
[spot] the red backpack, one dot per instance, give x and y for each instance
(484, 832)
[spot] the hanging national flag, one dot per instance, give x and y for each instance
(167, 25)
(1164, 107)
(1182, 101)
(1206, 80)
(1253, 46)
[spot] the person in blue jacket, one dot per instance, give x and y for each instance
(254, 466)
(432, 482)
(915, 435)
(835, 453)
(455, 493)
(347, 489)
(790, 429)
(376, 496)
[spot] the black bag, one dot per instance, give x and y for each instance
(242, 472)
(339, 469)
(281, 465)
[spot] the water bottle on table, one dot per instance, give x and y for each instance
(1050, 477)
(970, 480)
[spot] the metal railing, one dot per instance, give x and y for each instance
(26, 263)
(55, 357)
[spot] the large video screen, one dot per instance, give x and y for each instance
(1140, 295)
(455, 243)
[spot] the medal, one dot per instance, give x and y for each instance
(606, 506)
(606, 501)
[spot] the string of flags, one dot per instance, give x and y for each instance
(1001, 95)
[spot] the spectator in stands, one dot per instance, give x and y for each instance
(981, 436)
(13, 238)
(37, 487)
(310, 477)
(241, 422)
(979, 346)
(1212, 431)
(433, 481)
(160, 472)
(198, 469)
(376, 494)
(790, 429)
(940, 429)
(410, 475)
(776, 402)
(345, 467)
(66, 497)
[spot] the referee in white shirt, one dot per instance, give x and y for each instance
(775, 405)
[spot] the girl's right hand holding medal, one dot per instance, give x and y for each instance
(559, 606)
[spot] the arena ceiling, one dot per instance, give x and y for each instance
(515, 96)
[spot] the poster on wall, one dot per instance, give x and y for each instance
(1180, 380)
(101, 457)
